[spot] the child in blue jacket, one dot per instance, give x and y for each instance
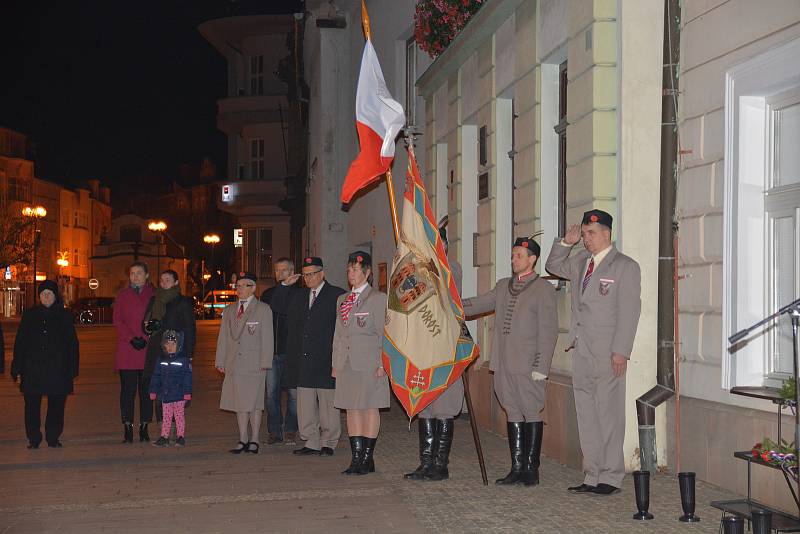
(172, 385)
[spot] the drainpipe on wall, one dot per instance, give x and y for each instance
(665, 374)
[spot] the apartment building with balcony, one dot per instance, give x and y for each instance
(254, 116)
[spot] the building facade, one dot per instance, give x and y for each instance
(738, 209)
(254, 115)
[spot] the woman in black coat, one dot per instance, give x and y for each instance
(168, 310)
(46, 360)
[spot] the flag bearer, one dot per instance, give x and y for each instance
(525, 334)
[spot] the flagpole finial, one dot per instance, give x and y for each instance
(365, 20)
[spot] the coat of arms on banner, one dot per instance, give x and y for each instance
(412, 283)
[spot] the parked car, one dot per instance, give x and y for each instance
(216, 301)
(93, 310)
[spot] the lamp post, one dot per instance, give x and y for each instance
(62, 262)
(158, 227)
(211, 239)
(37, 212)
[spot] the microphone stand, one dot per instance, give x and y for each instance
(793, 310)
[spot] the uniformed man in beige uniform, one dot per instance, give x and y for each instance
(606, 302)
(244, 353)
(525, 334)
(437, 420)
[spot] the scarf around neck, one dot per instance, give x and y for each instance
(162, 298)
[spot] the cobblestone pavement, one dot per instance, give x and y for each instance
(96, 484)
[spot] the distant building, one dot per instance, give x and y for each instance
(130, 240)
(254, 115)
(75, 222)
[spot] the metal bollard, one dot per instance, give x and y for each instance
(732, 524)
(641, 485)
(686, 484)
(762, 522)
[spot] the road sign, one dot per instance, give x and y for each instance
(93, 283)
(238, 237)
(8, 273)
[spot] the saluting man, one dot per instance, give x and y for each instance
(606, 301)
(436, 421)
(525, 334)
(245, 348)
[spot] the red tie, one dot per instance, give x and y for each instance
(588, 275)
(241, 310)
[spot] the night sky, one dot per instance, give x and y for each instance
(121, 91)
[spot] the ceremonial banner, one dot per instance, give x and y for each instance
(426, 345)
(379, 118)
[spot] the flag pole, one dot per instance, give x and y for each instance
(475, 435)
(388, 175)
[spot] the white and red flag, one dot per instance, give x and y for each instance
(379, 118)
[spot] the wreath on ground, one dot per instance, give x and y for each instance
(437, 22)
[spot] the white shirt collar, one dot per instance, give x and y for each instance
(601, 255)
(360, 289)
(248, 301)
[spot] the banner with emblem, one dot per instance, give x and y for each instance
(426, 344)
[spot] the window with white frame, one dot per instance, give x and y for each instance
(411, 80)
(761, 214)
(256, 75)
(256, 159)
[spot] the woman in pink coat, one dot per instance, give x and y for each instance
(129, 309)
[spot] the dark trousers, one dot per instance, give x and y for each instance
(132, 381)
(54, 423)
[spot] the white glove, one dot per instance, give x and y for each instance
(538, 376)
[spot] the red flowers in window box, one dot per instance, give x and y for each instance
(437, 22)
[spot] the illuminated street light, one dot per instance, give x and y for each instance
(35, 212)
(211, 239)
(159, 227)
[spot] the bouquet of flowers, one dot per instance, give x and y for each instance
(437, 22)
(781, 454)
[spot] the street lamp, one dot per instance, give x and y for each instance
(158, 227)
(36, 212)
(62, 262)
(211, 239)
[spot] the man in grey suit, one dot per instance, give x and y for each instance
(606, 301)
(525, 334)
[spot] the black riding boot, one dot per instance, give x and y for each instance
(357, 450)
(367, 464)
(427, 429)
(515, 442)
(128, 435)
(143, 434)
(531, 453)
(444, 440)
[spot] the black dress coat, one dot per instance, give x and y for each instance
(278, 298)
(180, 317)
(46, 351)
(310, 340)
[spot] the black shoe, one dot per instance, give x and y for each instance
(356, 450)
(444, 440)
(583, 488)
(605, 489)
(427, 429)
(128, 433)
(515, 442)
(180, 442)
(161, 442)
(240, 448)
(531, 453)
(54, 444)
(32, 445)
(143, 434)
(367, 464)
(252, 447)
(305, 451)
(326, 451)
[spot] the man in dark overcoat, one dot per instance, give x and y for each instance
(312, 321)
